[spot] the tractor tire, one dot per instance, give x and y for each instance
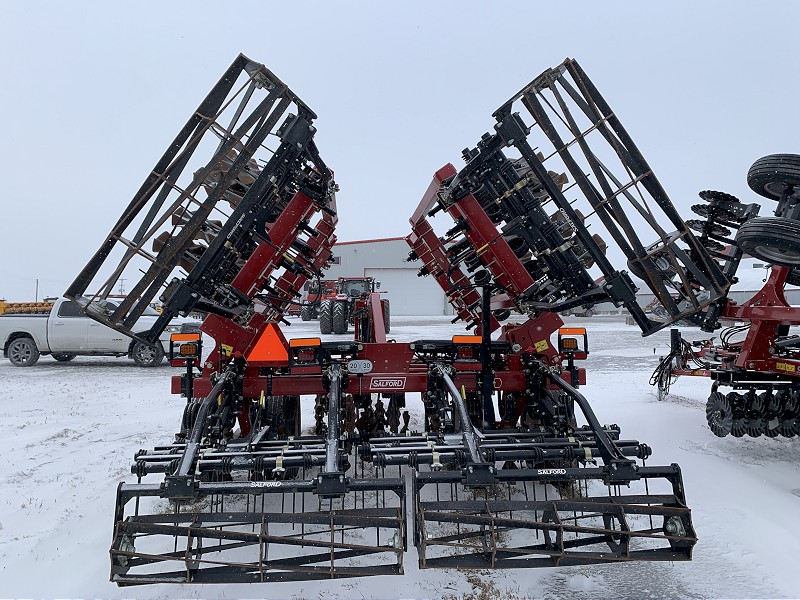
(326, 317)
(387, 319)
(340, 317)
(63, 357)
(22, 352)
(775, 240)
(305, 313)
(771, 175)
(146, 355)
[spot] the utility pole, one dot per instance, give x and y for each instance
(36, 298)
(121, 286)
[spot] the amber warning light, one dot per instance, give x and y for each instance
(185, 346)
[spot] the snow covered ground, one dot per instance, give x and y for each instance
(68, 432)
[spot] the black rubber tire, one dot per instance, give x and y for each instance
(793, 278)
(387, 316)
(326, 317)
(63, 357)
(22, 352)
(305, 313)
(775, 240)
(719, 414)
(340, 317)
(147, 355)
(771, 175)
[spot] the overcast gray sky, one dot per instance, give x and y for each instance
(94, 91)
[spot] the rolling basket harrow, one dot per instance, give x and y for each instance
(511, 467)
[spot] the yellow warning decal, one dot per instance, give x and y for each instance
(541, 346)
(789, 368)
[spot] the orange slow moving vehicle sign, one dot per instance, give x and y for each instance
(270, 349)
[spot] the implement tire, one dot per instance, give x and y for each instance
(771, 175)
(775, 240)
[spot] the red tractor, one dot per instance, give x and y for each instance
(353, 296)
(316, 291)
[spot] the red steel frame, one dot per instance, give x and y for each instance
(396, 368)
(533, 336)
(765, 312)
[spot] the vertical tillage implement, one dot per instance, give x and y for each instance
(511, 467)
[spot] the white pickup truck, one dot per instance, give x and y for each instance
(66, 333)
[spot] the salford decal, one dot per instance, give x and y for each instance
(551, 471)
(387, 383)
(265, 484)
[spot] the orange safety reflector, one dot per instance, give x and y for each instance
(572, 331)
(269, 348)
(184, 337)
(467, 339)
(304, 342)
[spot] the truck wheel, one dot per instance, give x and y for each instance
(340, 317)
(63, 357)
(146, 355)
(325, 317)
(22, 352)
(775, 240)
(305, 313)
(771, 175)
(386, 316)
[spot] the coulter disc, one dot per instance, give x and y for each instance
(719, 414)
